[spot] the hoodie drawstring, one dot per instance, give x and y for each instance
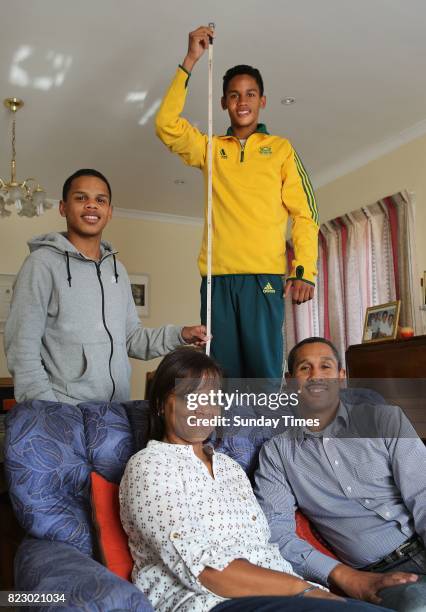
(69, 277)
(115, 269)
(68, 268)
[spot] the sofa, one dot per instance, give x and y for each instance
(50, 451)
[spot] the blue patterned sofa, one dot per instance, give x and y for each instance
(50, 451)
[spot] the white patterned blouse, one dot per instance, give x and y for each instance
(180, 520)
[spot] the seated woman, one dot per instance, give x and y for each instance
(197, 535)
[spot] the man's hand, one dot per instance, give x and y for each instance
(195, 335)
(366, 585)
(198, 42)
(300, 291)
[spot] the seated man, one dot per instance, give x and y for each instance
(73, 321)
(360, 477)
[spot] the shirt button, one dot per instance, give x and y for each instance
(326, 439)
(336, 462)
(254, 517)
(367, 501)
(387, 514)
(175, 535)
(349, 489)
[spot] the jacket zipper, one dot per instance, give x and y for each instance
(242, 147)
(98, 271)
(242, 152)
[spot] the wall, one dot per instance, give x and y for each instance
(167, 252)
(403, 168)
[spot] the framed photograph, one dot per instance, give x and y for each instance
(140, 291)
(6, 290)
(381, 322)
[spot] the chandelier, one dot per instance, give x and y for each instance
(28, 197)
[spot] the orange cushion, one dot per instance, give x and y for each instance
(304, 531)
(112, 539)
(8, 404)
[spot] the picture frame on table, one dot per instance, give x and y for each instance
(6, 291)
(140, 291)
(381, 322)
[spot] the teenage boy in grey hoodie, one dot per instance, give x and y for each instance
(73, 321)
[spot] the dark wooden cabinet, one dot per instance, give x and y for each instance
(388, 359)
(6, 393)
(397, 370)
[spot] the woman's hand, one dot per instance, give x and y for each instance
(321, 594)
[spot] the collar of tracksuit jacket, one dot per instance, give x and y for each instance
(58, 241)
(261, 129)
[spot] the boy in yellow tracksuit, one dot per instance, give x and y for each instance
(258, 182)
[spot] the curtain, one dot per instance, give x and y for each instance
(366, 257)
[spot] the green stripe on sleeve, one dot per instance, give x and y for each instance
(307, 187)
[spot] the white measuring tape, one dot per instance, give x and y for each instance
(209, 194)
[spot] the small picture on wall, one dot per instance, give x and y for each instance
(381, 322)
(140, 291)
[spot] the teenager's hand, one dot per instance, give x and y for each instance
(300, 291)
(195, 335)
(198, 42)
(366, 585)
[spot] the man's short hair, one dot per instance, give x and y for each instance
(84, 172)
(312, 340)
(242, 69)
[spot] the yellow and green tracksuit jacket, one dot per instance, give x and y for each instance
(255, 190)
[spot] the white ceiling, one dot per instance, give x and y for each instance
(356, 69)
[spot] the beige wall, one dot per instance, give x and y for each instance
(403, 168)
(167, 252)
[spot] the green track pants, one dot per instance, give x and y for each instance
(247, 321)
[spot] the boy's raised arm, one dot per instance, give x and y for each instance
(176, 132)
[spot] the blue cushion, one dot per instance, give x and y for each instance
(47, 470)
(55, 567)
(50, 450)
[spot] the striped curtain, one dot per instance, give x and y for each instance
(366, 257)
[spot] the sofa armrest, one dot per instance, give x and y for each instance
(45, 566)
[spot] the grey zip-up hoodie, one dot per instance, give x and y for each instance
(72, 325)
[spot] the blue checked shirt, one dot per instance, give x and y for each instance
(365, 495)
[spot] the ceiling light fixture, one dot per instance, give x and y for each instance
(28, 197)
(287, 101)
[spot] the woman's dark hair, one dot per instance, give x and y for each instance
(181, 372)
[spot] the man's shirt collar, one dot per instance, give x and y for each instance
(333, 430)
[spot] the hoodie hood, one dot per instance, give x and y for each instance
(59, 242)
